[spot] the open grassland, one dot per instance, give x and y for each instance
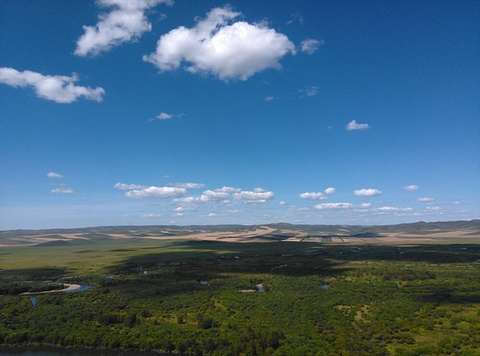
(186, 296)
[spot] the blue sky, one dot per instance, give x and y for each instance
(118, 112)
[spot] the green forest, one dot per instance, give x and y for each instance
(214, 298)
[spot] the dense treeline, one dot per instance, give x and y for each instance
(314, 304)
(14, 288)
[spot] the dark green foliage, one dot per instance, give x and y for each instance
(378, 302)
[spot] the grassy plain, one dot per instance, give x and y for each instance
(323, 296)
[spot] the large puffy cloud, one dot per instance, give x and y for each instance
(354, 125)
(127, 22)
(313, 195)
(219, 194)
(367, 192)
(58, 88)
(228, 51)
(213, 195)
(207, 196)
(156, 192)
(257, 196)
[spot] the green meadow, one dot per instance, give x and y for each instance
(191, 297)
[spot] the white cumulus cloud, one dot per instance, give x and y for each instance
(364, 205)
(311, 45)
(54, 175)
(228, 51)
(330, 190)
(186, 200)
(164, 116)
(126, 22)
(58, 88)
(367, 192)
(411, 188)
(207, 196)
(354, 125)
(228, 190)
(156, 192)
(333, 206)
(312, 195)
(257, 196)
(213, 195)
(123, 186)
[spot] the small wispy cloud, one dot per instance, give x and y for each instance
(152, 215)
(367, 192)
(54, 175)
(330, 190)
(164, 116)
(309, 91)
(156, 192)
(310, 46)
(354, 125)
(296, 17)
(393, 209)
(411, 188)
(425, 200)
(189, 185)
(269, 98)
(63, 190)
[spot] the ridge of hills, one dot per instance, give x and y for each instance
(441, 231)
